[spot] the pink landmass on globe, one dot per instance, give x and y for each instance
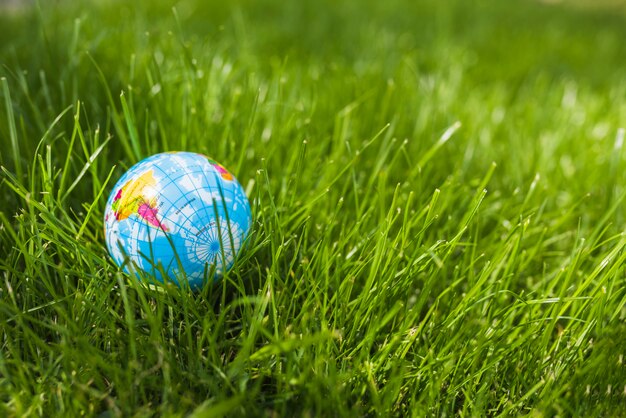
(149, 214)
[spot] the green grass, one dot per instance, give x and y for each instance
(438, 199)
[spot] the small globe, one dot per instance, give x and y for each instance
(177, 216)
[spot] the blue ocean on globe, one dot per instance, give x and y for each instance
(177, 216)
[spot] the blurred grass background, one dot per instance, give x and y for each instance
(527, 63)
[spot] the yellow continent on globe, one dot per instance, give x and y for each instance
(136, 197)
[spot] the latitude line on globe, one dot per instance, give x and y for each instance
(222, 191)
(147, 224)
(172, 181)
(170, 245)
(190, 252)
(210, 187)
(220, 254)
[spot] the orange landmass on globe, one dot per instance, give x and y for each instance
(132, 199)
(220, 169)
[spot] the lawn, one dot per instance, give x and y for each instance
(438, 198)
